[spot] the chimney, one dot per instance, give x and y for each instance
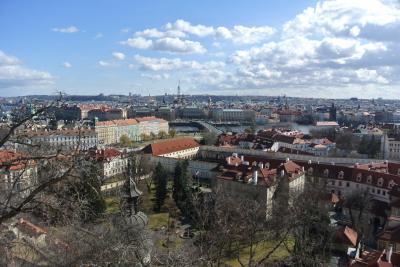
(309, 162)
(228, 160)
(287, 159)
(267, 165)
(282, 173)
(242, 158)
(261, 165)
(255, 177)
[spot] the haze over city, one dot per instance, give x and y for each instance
(330, 49)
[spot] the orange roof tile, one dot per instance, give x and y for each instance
(169, 146)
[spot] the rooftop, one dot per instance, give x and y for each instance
(169, 146)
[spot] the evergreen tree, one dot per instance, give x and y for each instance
(363, 147)
(161, 180)
(177, 186)
(181, 190)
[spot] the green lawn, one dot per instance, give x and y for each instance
(158, 220)
(112, 204)
(261, 251)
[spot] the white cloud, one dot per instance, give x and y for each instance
(103, 63)
(180, 29)
(14, 75)
(339, 46)
(8, 60)
(372, 19)
(119, 55)
(70, 29)
(156, 77)
(184, 26)
(164, 64)
(250, 35)
(155, 33)
(167, 44)
(139, 43)
(67, 65)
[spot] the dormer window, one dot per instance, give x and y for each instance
(369, 179)
(326, 173)
(391, 184)
(380, 181)
(310, 170)
(359, 177)
(398, 171)
(341, 175)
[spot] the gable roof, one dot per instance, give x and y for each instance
(169, 146)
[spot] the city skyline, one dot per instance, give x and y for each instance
(330, 49)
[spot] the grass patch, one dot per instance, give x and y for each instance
(174, 243)
(112, 204)
(260, 251)
(158, 220)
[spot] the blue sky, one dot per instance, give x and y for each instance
(300, 48)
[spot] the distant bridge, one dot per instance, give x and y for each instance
(202, 125)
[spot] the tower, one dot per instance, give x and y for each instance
(179, 89)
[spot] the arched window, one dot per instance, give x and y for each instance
(359, 177)
(391, 184)
(380, 181)
(326, 173)
(369, 179)
(341, 175)
(310, 170)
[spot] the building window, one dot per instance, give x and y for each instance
(359, 177)
(333, 182)
(348, 184)
(380, 181)
(391, 184)
(369, 179)
(310, 170)
(341, 175)
(340, 183)
(326, 172)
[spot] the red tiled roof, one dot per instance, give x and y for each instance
(150, 118)
(105, 154)
(30, 228)
(13, 160)
(169, 146)
(124, 122)
(347, 236)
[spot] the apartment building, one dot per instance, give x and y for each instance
(18, 174)
(69, 139)
(110, 132)
(111, 162)
(149, 125)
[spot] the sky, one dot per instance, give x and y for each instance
(329, 49)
